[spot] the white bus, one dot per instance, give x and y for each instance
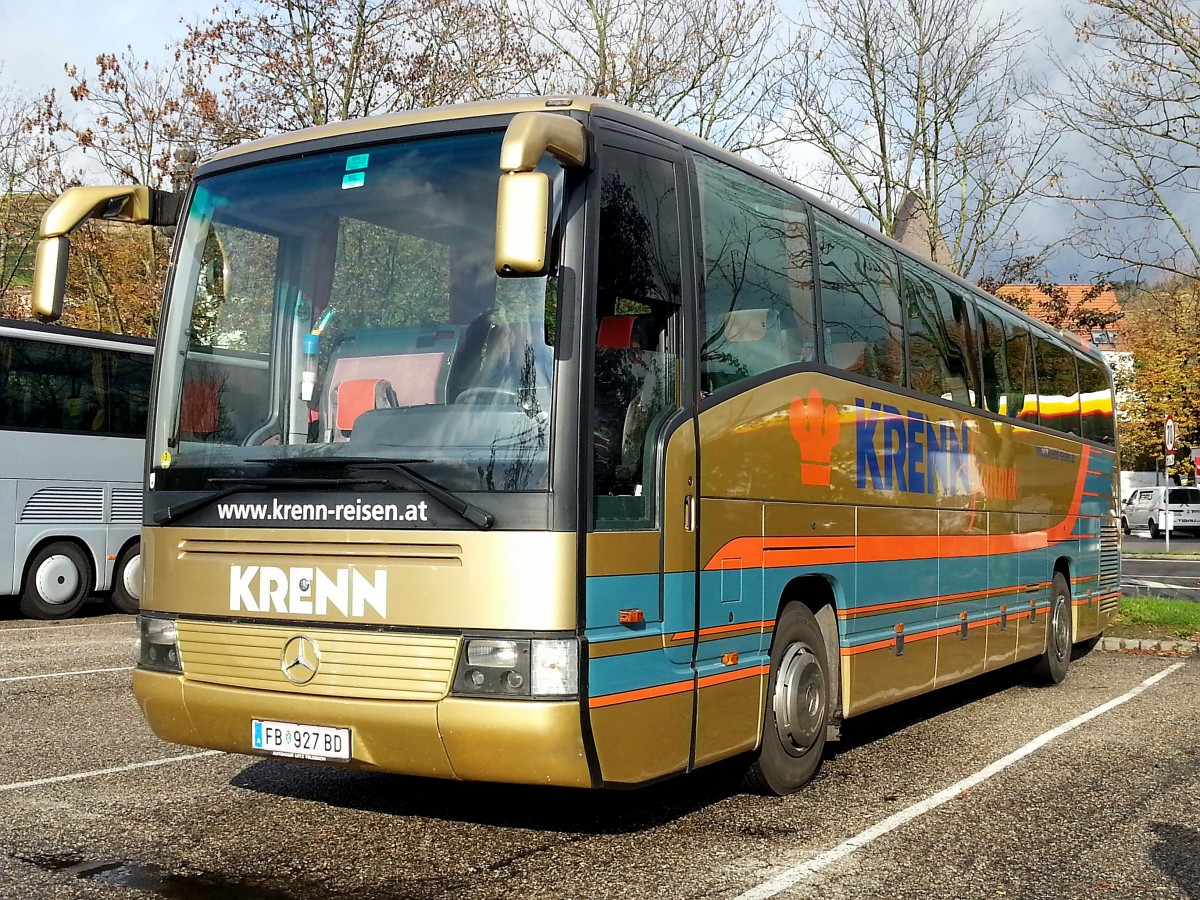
(72, 453)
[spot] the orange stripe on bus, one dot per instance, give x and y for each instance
(659, 690)
(733, 675)
(901, 604)
(748, 627)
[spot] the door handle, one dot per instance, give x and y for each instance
(689, 513)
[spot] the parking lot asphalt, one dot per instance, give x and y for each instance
(990, 788)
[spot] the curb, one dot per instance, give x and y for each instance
(1157, 647)
(1168, 557)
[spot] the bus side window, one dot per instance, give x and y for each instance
(940, 349)
(996, 387)
(758, 303)
(637, 295)
(1096, 402)
(1058, 387)
(860, 303)
(1021, 401)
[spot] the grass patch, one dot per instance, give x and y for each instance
(1180, 617)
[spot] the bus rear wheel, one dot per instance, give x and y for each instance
(57, 582)
(797, 709)
(127, 580)
(1051, 666)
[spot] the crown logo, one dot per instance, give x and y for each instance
(815, 427)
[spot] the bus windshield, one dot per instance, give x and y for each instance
(345, 304)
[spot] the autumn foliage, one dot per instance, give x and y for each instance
(1162, 329)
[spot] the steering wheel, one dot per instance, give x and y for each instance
(489, 395)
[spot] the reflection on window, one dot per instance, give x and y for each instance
(758, 276)
(1096, 402)
(52, 386)
(860, 306)
(225, 376)
(1008, 386)
(1058, 389)
(939, 345)
(635, 375)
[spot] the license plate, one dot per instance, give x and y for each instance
(301, 741)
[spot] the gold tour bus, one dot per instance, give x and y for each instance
(538, 441)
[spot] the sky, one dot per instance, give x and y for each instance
(34, 47)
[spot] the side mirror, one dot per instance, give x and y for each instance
(135, 203)
(523, 197)
(523, 223)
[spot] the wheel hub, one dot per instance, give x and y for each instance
(131, 578)
(57, 579)
(1060, 626)
(799, 700)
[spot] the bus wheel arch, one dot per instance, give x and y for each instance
(1051, 666)
(127, 579)
(59, 578)
(801, 691)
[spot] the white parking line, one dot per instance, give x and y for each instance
(78, 776)
(1160, 584)
(805, 870)
(22, 630)
(63, 674)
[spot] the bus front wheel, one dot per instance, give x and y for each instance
(127, 580)
(797, 709)
(57, 582)
(1051, 666)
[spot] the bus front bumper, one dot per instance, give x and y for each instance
(522, 742)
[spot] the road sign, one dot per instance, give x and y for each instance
(1169, 435)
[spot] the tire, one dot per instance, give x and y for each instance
(57, 582)
(127, 580)
(1125, 526)
(1155, 533)
(1051, 666)
(797, 710)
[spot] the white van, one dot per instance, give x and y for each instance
(1148, 507)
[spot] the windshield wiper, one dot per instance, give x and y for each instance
(238, 485)
(476, 515)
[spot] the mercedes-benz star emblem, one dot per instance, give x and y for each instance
(300, 659)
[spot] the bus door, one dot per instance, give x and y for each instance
(640, 607)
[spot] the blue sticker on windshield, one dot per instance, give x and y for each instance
(354, 180)
(358, 161)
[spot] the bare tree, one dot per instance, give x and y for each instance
(926, 97)
(704, 65)
(1136, 101)
(131, 116)
(268, 66)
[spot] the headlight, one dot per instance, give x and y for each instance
(158, 644)
(518, 668)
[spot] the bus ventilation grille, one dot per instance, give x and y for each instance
(1110, 568)
(126, 505)
(64, 504)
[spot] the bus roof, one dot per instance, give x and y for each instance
(455, 112)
